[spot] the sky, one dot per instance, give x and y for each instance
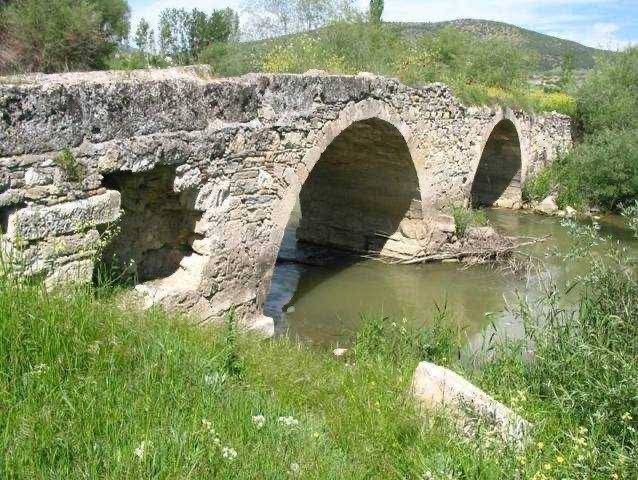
(610, 24)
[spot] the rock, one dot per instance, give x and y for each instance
(262, 325)
(547, 206)
(339, 352)
(436, 387)
(570, 212)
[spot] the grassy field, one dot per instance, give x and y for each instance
(90, 390)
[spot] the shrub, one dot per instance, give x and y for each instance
(559, 102)
(60, 35)
(602, 172)
(616, 108)
(539, 185)
(466, 218)
(73, 169)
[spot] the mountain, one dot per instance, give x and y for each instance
(551, 50)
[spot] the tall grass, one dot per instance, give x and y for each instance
(89, 389)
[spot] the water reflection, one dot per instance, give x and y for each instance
(322, 304)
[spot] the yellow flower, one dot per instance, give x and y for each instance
(560, 459)
(627, 417)
(547, 466)
(540, 445)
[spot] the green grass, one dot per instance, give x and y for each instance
(466, 218)
(84, 384)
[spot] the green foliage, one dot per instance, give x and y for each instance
(184, 34)
(376, 11)
(232, 363)
(60, 35)
(73, 170)
(579, 387)
(539, 186)
(143, 36)
(385, 340)
(154, 396)
(601, 172)
(630, 212)
(466, 218)
(615, 109)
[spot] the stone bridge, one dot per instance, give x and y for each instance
(185, 182)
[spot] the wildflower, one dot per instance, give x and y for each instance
(39, 369)
(540, 445)
(316, 434)
(229, 453)
(208, 426)
(140, 451)
(627, 417)
(214, 379)
(290, 422)
(295, 469)
(217, 442)
(560, 459)
(547, 466)
(259, 421)
(582, 430)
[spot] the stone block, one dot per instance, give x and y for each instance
(36, 222)
(436, 387)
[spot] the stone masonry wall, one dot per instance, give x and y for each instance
(239, 151)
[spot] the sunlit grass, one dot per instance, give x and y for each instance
(89, 390)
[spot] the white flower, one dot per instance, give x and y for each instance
(39, 369)
(288, 421)
(208, 426)
(259, 421)
(229, 453)
(141, 450)
(214, 379)
(295, 469)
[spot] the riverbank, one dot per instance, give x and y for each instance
(92, 390)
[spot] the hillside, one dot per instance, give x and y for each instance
(551, 50)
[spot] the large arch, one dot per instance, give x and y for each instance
(498, 176)
(365, 163)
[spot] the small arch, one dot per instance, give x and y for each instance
(498, 177)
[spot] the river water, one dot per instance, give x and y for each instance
(323, 304)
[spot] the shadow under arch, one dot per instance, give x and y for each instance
(362, 187)
(497, 181)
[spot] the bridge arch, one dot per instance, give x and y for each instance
(501, 163)
(366, 163)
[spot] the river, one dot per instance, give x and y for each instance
(322, 305)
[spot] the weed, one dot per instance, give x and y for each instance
(74, 170)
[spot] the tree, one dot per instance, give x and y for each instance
(185, 34)
(58, 35)
(567, 70)
(142, 34)
(376, 11)
(272, 18)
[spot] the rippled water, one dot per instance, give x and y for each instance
(323, 304)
